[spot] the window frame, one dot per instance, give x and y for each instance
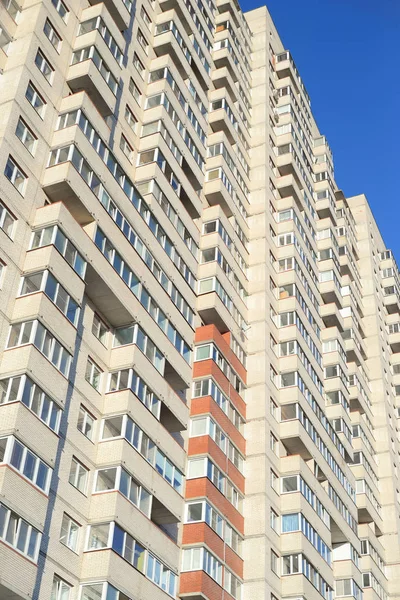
(72, 532)
(75, 476)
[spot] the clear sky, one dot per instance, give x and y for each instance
(348, 55)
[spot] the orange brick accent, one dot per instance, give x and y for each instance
(196, 581)
(205, 445)
(204, 368)
(207, 405)
(210, 333)
(233, 561)
(195, 533)
(204, 488)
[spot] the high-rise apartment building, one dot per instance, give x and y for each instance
(199, 382)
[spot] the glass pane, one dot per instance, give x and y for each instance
(106, 479)
(98, 536)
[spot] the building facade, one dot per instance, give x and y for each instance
(198, 330)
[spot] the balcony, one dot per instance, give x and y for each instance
(132, 519)
(294, 465)
(197, 585)
(120, 11)
(288, 185)
(20, 494)
(394, 340)
(223, 59)
(22, 586)
(368, 513)
(170, 39)
(101, 565)
(354, 350)
(326, 208)
(162, 172)
(169, 509)
(174, 411)
(219, 190)
(330, 292)
(230, 7)
(297, 586)
(220, 120)
(222, 79)
(295, 439)
(23, 421)
(285, 67)
(392, 301)
(29, 359)
(62, 182)
(91, 74)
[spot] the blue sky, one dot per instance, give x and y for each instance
(347, 51)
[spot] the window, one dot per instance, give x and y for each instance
(274, 479)
(26, 136)
(23, 389)
(274, 563)
(145, 17)
(66, 249)
(78, 475)
(274, 520)
(61, 9)
(44, 66)
(69, 533)
(99, 329)
(35, 99)
(93, 374)
(101, 591)
(137, 63)
(126, 148)
(142, 41)
(2, 271)
(34, 332)
(130, 118)
(98, 23)
(17, 533)
(200, 559)
(134, 90)
(91, 53)
(129, 379)
(25, 462)
(15, 175)
(48, 284)
(123, 426)
(274, 444)
(20, 333)
(290, 484)
(5, 39)
(274, 409)
(116, 478)
(52, 35)
(7, 220)
(291, 564)
(232, 585)
(12, 8)
(85, 423)
(60, 589)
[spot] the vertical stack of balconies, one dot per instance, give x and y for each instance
(212, 564)
(375, 431)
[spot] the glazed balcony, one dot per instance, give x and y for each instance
(90, 72)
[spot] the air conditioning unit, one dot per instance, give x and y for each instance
(275, 94)
(276, 117)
